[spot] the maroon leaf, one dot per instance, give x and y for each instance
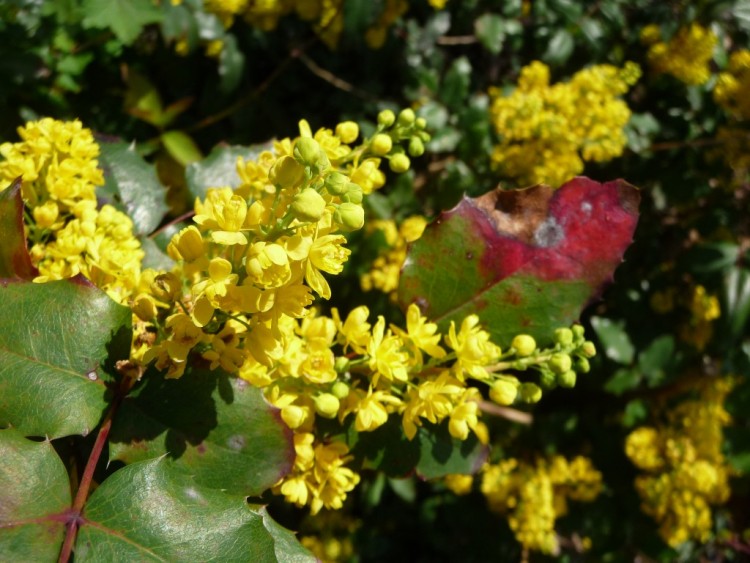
(523, 260)
(15, 261)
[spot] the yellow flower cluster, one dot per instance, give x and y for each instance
(546, 132)
(329, 535)
(686, 56)
(732, 86)
(684, 469)
(326, 16)
(386, 268)
(702, 308)
(68, 235)
(533, 496)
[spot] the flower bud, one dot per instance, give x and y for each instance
(340, 389)
(386, 118)
(578, 331)
(341, 364)
(582, 365)
(560, 363)
(567, 379)
(45, 215)
(293, 415)
(416, 147)
(564, 336)
(347, 131)
(420, 123)
(337, 183)
(400, 163)
(186, 245)
(354, 194)
(547, 379)
(308, 205)
(349, 216)
(406, 117)
(144, 307)
(588, 349)
(326, 405)
(307, 151)
(381, 144)
(524, 344)
(166, 286)
(503, 392)
(286, 172)
(530, 392)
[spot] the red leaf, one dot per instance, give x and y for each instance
(15, 261)
(524, 260)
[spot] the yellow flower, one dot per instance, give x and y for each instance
(224, 213)
(387, 357)
(372, 411)
(473, 348)
(267, 264)
(328, 255)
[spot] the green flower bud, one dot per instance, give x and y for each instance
(341, 364)
(420, 123)
(386, 118)
(547, 379)
(416, 147)
(564, 336)
(406, 117)
(308, 205)
(560, 363)
(582, 365)
(400, 163)
(530, 392)
(349, 216)
(381, 144)
(503, 392)
(588, 349)
(524, 345)
(578, 331)
(326, 405)
(347, 131)
(424, 136)
(567, 379)
(286, 172)
(340, 389)
(307, 151)
(354, 194)
(337, 183)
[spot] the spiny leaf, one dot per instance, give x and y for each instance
(149, 511)
(35, 494)
(526, 261)
(125, 18)
(57, 346)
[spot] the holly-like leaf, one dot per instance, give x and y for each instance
(149, 511)
(212, 426)
(14, 256)
(132, 182)
(125, 18)
(35, 493)
(58, 344)
(526, 261)
(432, 453)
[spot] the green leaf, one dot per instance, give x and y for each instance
(57, 351)
(526, 261)
(15, 261)
(149, 511)
(455, 87)
(219, 168)
(432, 453)
(181, 146)
(614, 338)
(125, 18)
(35, 494)
(490, 31)
(560, 47)
(624, 379)
(736, 300)
(131, 181)
(710, 257)
(656, 360)
(155, 257)
(231, 65)
(212, 426)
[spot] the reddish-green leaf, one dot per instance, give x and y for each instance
(58, 344)
(35, 494)
(212, 426)
(149, 511)
(14, 256)
(524, 261)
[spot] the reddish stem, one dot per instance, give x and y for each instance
(74, 514)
